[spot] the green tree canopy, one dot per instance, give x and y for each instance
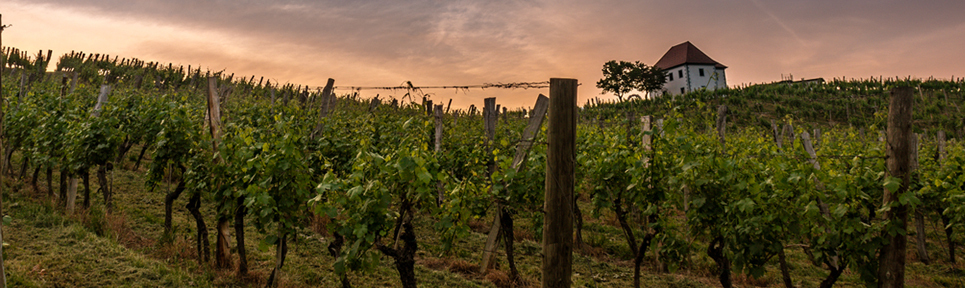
(622, 77)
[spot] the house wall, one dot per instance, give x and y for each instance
(692, 80)
(673, 86)
(721, 79)
(707, 80)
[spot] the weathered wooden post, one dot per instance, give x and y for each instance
(834, 263)
(722, 123)
(222, 252)
(919, 213)
(437, 112)
(946, 220)
(106, 188)
(777, 136)
(437, 141)
(891, 259)
(324, 107)
(560, 180)
(489, 123)
(529, 135)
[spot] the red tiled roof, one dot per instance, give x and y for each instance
(685, 53)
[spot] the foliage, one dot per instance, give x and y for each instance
(622, 77)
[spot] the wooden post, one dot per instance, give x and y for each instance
(919, 211)
(791, 136)
(531, 131)
(941, 147)
(324, 107)
(214, 112)
(489, 123)
(946, 220)
(817, 137)
(437, 141)
(660, 126)
(71, 195)
(272, 109)
(647, 137)
(20, 91)
(438, 118)
(504, 114)
(326, 102)
(222, 252)
(106, 188)
(822, 207)
(374, 104)
(891, 259)
(560, 180)
(522, 149)
(721, 123)
(101, 99)
(631, 118)
(777, 137)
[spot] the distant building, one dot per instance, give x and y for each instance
(689, 69)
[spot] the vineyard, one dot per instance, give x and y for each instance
(117, 172)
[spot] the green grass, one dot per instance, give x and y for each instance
(48, 250)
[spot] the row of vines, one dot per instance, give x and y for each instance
(279, 157)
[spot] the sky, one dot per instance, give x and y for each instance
(388, 42)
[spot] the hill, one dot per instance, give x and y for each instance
(836, 103)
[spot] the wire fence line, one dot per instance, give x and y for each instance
(409, 86)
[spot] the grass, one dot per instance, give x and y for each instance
(87, 249)
(47, 249)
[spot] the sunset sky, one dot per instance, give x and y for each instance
(386, 42)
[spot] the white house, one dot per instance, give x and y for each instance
(689, 69)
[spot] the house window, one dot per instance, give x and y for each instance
(671, 77)
(680, 73)
(681, 90)
(701, 70)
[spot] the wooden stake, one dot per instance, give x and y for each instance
(919, 211)
(440, 188)
(942, 154)
(222, 252)
(823, 207)
(71, 195)
(560, 179)
(437, 112)
(326, 104)
(777, 136)
(891, 259)
(489, 123)
(721, 123)
(522, 149)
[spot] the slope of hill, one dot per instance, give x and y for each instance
(837, 103)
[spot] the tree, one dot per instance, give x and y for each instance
(622, 77)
